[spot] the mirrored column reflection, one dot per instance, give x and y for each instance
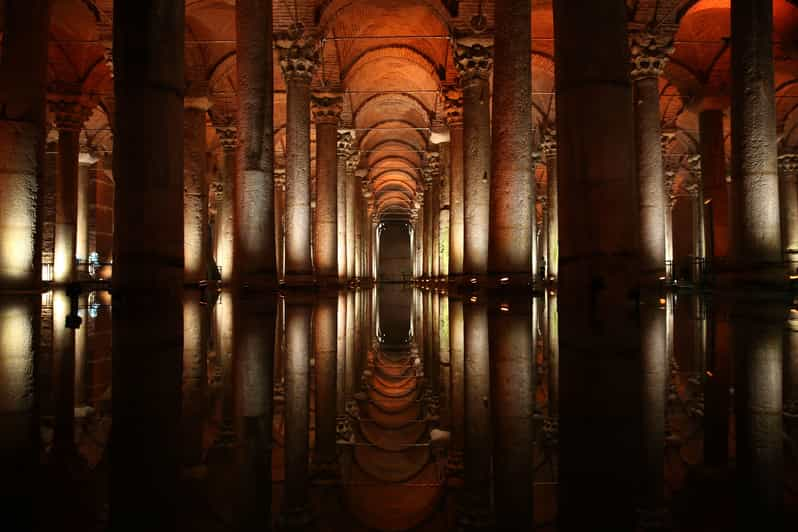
(457, 386)
(194, 380)
(325, 344)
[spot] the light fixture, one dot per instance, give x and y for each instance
(504, 307)
(504, 280)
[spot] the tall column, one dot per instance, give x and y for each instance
(713, 162)
(696, 190)
(432, 175)
(756, 227)
(444, 210)
(296, 502)
(649, 55)
(351, 211)
(788, 195)
(255, 261)
(512, 192)
(279, 221)
(325, 330)
(454, 119)
(343, 148)
(85, 160)
(549, 148)
(23, 82)
(457, 389)
(671, 201)
(70, 113)
(543, 232)
(357, 243)
(326, 115)
(195, 189)
(148, 271)
(298, 60)
(474, 60)
(224, 216)
(599, 266)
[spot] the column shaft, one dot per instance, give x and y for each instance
(66, 206)
(713, 167)
(195, 194)
(553, 204)
(325, 251)
(82, 234)
(456, 198)
(325, 330)
(297, 181)
(225, 224)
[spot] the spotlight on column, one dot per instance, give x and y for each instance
(504, 280)
(504, 307)
(473, 280)
(473, 299)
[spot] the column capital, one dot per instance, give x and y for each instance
(549, 143)
(473, 57)
(326, 107)
(71, 110)
(666, 138)
(226, 130)
(694, 164)
(279, 178)
(453, 106)
(200, 103)
(670, 178)
(353, 161)
(345, 143)
(299, 55)
(86, 159)
(650, 53)
(788, 165)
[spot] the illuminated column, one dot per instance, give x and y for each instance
(454, 119)
(696, 190)
(343, 148)
(351, 211)
(542, 229)
(224, 216)
(457, 386)
(788, 195)
(512, 184)
(756, 228)
(85, 160)
(650, 54)
(325, 330)
(427, 245)
(70, 113)
(298, 60)
(23, 72)
(195, 190)
(549, 148)
(279, 221)
(475, 507)
(713, 163)
(254, 202)
(357, 220)
(432, 178)
(326, 115)
(671, 201)
(474, 60)
(599, 266)
(149, 81)
(296, 502)
(444, 210)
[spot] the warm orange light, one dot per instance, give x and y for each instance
(473, 299)
(504, 307)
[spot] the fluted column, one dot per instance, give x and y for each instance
(225, 210)
(255, 261)
(71, 111)
(512, 192)
(549, 148)
(788, 195)
(756, 228)
(85, 160)
(351, 211)
(650, 53)
(23, 82)
(298, 60)
(343, 148)
(148, 261)
(474, 60)
(195, 190)
(454, 119)
(326, 114)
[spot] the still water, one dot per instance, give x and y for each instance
(393, 408)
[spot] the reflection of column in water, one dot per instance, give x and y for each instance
(64, 372)
(512, 390)
(716, 391)
(340, 397)
(19, 454)
(700, 339)
(81, 354)
(758, 337)
(194, 377)
(224, 311)
(475, 508)
(456, 390)
(325, 345)
(553, 344)
(350, 381)
(253, 398)
(442, 305)
(279, 350)
(296, 504)
(654, 378)
(791, 376)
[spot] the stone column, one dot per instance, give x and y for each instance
(457, 387)
(427, 246)
(255, 261)
(326, 114)
(325, 329)
(432, 176)
(148, 261)
(713, 163)
(599, 267)
(542, 230)
(85, 160)
(224, 216)
(279, 221)
(788, 195)
(756, 227)
(549, 148)
(474, 60)
(671, 201)
(696, 190)
(444, 210)
(351, 211)
(357, 243)
(195, 190)
(650, 53)
(71, 111)
(298, 60)
(296, 502)
(512, 192)
(344, 146)
(454, 119)
(23, 82)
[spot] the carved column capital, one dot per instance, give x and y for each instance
(473, 57)
(345, 143)
(650, 54)
(670, 177)
(353, 161)
(279, 178)
(549, 143)
(299, 56)
(788, 167)
(453, 107)
(226, 130)
(71, 111)
(694, 164)
(326, 108)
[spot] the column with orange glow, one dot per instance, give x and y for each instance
(454, 119)
(788, 194)
(351, 211)
(195, 186)
(85, 160)
(279, 221)
(326, 114)
(343, 148)
(549, 148)
(226, 130)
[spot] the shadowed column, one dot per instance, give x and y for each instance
(474, 60)
(279, 221)
(254, 200)
(713, 162)
(788, 195)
